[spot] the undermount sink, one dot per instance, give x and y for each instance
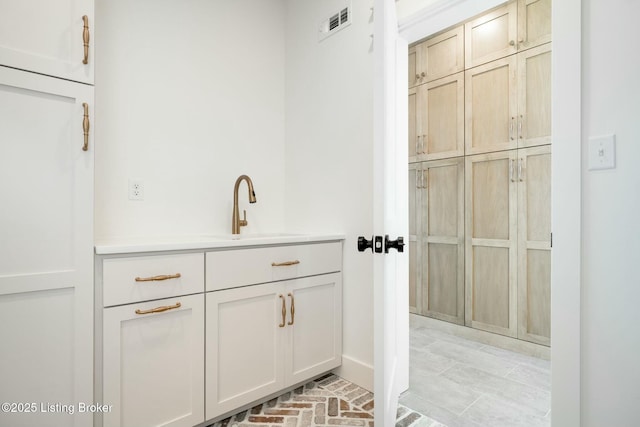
(252, 236)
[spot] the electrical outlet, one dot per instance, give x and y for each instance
(136, 189)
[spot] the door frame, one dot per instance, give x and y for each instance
(565, 183)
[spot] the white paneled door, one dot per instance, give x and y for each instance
(46, 246)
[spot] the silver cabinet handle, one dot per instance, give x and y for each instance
(520, 177)
(520, 120)
(422, 146)
(511, 128)
(511, 170)
(423, 179)
(417, 144)
(418, 179)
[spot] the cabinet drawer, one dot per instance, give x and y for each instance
(127, 280)
(241, 267)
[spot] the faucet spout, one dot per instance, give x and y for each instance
(236, 222)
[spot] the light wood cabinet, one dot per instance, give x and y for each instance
(46, 230)
(508, 102)
(534, 244)
(437, 256)
(439, 56)
(47, 37)
(263, 338)
(413, 77)
(508, 243)
(508, 29)
(436, 123)
(153, 372)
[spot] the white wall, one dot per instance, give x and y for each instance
(329, 134)
(611, 230)
(189, 95)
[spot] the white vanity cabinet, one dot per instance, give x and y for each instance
(277, 323)
(192, 331)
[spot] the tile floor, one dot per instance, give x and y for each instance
(463, 383)
(325, 401)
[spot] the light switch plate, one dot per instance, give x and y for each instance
(602, 152)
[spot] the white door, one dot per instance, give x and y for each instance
(48, 37)
(391, 317)
(46, 246)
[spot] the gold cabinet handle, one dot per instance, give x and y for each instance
(158, 278)
(85, 126)
(159, 309)
(284, 264)
(85, 39)
(284, 312)
(293, 309)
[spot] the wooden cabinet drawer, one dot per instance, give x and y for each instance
(233, 268)
(127, 280)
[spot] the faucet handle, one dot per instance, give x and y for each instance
(243, 222)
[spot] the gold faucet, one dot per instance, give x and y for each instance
(237, 222)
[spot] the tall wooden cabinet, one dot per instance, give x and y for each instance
(46, 221)
(479, 172)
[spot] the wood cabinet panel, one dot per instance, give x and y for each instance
(441, 55)
(534, 23)
(491, 36)
(413, 131)
(444, 275)
(534, 96)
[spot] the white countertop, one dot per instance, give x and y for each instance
(219, 241)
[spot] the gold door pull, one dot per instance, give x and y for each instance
(284, 264)
(284, 312)
(159, 309)
(158, 278)
(293, 309)
(85, 38)
(85, 126)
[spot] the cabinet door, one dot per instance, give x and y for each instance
(491, 36)
(490, 259)
(314, 324)
(46, 249)
(441, 55)
(491, 107)
(441, 117)
(443, 247)
(153, 371)
(47, 37)
(534, 23)
(245, 339)
(416, 179)
(534, 244)
(534, 96)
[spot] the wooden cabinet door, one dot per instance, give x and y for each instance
(534, 244)
(314, 326)
(153, 372)
(416, 183)
(534, 96)
(46, 244)
(245, 340)
(47, 37)
(443, 246)
(491, 36)
(491, 107)
(491, 259)
(440, 109)
(534, 23)
(441, 55)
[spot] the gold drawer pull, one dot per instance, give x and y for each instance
(85, 126)
(158, 278)
(284, 264)
(284, 312)
(85, 38)
(293, 309)
(159, 309)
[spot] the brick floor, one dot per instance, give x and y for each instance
(325, 401)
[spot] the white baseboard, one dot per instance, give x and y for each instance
(507, 343)
(355, 371)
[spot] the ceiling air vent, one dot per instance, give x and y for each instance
(334, 23)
